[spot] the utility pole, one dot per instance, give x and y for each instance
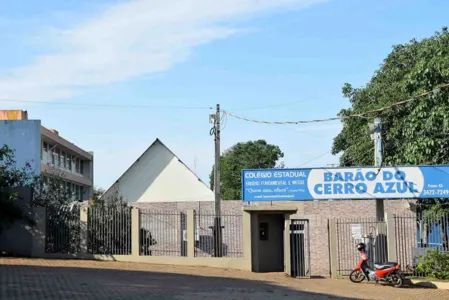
(376, 136)
(217, 228)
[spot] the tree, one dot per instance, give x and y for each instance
(250, 155)
(10, 212)
(415, 133)
(97, 193)
(49, 189)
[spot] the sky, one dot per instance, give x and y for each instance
(113, 75)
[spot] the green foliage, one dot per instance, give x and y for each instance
(250, 155)
(97, 193)
(413, 133)
(113, 212)
(435, 264)
(49, 189)
(10, 212)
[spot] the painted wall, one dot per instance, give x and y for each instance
(24, 137)
(158, 176)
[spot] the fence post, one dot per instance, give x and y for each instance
(332, 224)
(391, 237)
(40, 234)
(246, 236)
(135, 232)
(190, 233)
(83, 231)
(287, 251)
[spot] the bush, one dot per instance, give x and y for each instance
(435, 264)
(10, 212)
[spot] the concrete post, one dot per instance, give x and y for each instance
(333, 248)
(83, 230)
(190, 233)
(391, 237)
(247, 233)
(39, 232)
(135, 232)
(287, 254)
(255, 242)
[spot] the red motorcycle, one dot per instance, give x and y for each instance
(389, 272)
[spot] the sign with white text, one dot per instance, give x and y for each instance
(345, 183)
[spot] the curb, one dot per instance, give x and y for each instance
(431, 284)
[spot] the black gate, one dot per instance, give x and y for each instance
(300, 248)
(350, 232)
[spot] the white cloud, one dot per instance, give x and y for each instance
(127, 40)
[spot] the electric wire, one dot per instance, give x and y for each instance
(111, 105)
(360, 115)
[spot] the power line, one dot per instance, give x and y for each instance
(269, 106)
(313, 159)
(109, 105)
(361, 115)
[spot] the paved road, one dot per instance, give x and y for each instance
(68, 279)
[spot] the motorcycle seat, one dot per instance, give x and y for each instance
(386, 265)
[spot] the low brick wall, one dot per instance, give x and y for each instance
(317, 212)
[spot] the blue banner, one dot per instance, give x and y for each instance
(345, 183)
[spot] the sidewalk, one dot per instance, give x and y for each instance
(70, 279)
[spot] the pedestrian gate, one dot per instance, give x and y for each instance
(350, 232)
(300, 248)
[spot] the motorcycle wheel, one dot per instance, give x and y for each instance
(356, 276)
(396, 280)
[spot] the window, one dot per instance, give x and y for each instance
(58, 156)
(72, 163)
(77, 192)
(45, 151)
(263, 231)
(68, 188)
(81, 167)
(52, 153)
(63, 156)
(77, 164)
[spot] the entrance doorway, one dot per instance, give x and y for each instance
(300, 248)
(270, 242)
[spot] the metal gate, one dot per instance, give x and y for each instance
(350, 232)
(300, 248)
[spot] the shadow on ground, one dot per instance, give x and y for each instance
(18, 282)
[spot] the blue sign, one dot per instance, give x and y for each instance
(345, 183)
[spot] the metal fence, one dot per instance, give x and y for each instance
(163, 233)
(63, 230)
(350, 232)
(418, 233)
(109, 230)
(232, 234)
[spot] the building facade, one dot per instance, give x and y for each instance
(158, 175)
(48, 152)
